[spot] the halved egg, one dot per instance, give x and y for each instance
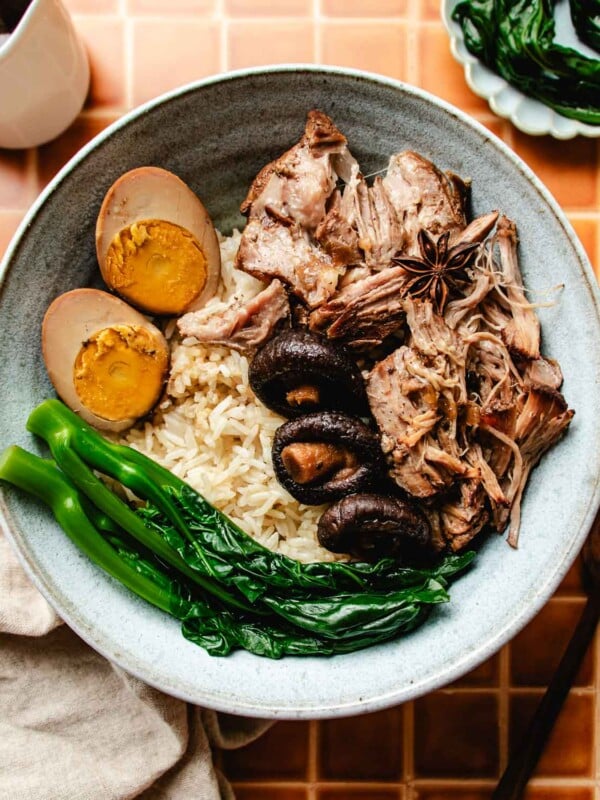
(156, 244)
(105, 360)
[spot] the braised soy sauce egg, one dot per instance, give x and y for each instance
(156, 244)
(105, 360)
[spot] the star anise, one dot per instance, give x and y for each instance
(439, 271)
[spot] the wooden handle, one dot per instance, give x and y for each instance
(525, 757)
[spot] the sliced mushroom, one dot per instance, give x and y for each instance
(326, 455)
(298, 372)
(309, 462)
(372, 526)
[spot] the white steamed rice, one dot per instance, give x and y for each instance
(215, 434)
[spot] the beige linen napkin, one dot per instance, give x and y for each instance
(75, 727)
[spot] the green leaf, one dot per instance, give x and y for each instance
(185, 556)
(586, 20)
(516, 39)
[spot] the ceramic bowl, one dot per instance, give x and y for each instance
(216, 135)
(44, 76)
(526, 113)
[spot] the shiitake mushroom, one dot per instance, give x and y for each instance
(372, 526)
(326, 455)
(298, 372)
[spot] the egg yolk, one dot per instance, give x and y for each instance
(157, 265)
(119, 372)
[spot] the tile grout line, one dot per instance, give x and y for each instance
(6, 212)
(503, 707)
(313, 754)
(596, 268)
(31, 167)
(269, 20)
(564, 781)
(538, 691)
(107, 112)
(413, 13)
(432, 23)
(408, 745)
(128, 33)
(470, 782)
(414, 792)
(411, 57)
(598, 174)
(454, 783)
(596, 746)
(466, 691)
(318, 32)
(222, 20)
(592, 216)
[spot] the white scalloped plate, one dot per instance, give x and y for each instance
(525, 113)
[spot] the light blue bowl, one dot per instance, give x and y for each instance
(216, 134)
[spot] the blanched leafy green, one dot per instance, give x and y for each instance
(516, 39)
(186, 557)
(586, 19)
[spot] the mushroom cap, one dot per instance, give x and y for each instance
(373, 526)
(334, 428)
(72, 319)
(297, 358)
(153, 193)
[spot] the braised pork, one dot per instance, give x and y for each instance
(544, 372)
(270, 249)
(415, 395)
(522, 333)
(462, 422)
(371, 213)
(543, 418)
(337, 236)
(424, 197)
(476, 230)
(466, 404)
(464, 517)
(296, 185)
(364, 312)
(286, 204)
(241, 327)
(368, 308)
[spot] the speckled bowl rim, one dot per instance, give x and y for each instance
(538, 598)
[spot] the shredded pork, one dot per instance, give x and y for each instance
(424, 197)
(286, 204)
(365, 312)
(467, 406)
(241, 327)
(465, 401)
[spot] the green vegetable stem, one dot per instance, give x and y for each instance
(42, 479)
(184, 556)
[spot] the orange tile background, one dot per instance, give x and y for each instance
(452, 744)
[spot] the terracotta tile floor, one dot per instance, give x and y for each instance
(452, 744)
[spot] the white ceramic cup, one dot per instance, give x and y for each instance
(44, 76)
